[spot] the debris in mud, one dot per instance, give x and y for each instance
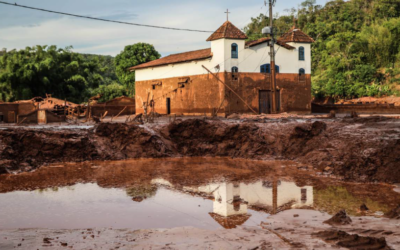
(353, 241)
(309, 131)
(394, 214)
(139, 198)
(363, 208)
(340, 218)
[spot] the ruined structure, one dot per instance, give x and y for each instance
(119, 106)
(231, 76)
(36, 110)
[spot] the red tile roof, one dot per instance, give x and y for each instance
(297, 36)
(176, 58)
(227, 30)
(267, 39)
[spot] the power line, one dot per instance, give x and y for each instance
(101, 19)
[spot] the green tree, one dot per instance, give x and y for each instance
(111, 91)
(42, 70)
(131, 56)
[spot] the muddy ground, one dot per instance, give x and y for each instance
(360, 149)
(292, 229)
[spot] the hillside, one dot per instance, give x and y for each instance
(357, 48)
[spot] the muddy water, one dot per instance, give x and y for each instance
(207, 193)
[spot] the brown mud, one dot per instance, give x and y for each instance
(361, 149)
(330, 194)
(353, 241)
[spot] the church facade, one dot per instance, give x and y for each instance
(239, 82)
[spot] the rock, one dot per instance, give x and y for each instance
(354, 114)
(364, 208)
(340, 218)
(47, 240)
(295, 215)
(64, 244)
(394, 214)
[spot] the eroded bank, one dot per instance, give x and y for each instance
(361, 149)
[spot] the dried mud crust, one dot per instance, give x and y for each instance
(357, 149)
(353, 241)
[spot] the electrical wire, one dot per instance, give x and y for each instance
(101, 19)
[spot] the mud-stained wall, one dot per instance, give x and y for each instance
(26, 108)
(294, 91)
(31, 117)
(6, 110)
(52, 118)
(188, 95)
(114, 107)
(204, 94)
(113, 110)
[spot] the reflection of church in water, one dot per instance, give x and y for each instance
(232, 200)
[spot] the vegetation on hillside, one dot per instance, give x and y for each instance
(357, 48)
(40, 70)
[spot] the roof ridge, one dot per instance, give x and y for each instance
(182, 53)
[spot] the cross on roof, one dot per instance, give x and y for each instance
(227, 14)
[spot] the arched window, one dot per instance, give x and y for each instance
(235, 71)
(302, 75)
(301, 54)
(266, 68)
(234, 49)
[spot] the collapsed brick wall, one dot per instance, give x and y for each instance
(6, 109)
(53, 118)
(28, 118)
(100, 110)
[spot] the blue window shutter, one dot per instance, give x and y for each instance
(265, 68)
(302, 72)
(301, 54)
(276, 69)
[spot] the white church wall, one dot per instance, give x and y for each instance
(249, 61)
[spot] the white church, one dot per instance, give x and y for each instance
(181, 83)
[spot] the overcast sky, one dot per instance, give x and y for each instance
(21, 27)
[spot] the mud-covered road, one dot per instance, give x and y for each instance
(360, 149)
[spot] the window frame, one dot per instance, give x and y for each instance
(234, 53)
(302, 54)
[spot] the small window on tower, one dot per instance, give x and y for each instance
(301, 54)
(235, 50)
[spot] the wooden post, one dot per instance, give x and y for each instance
(119, 113)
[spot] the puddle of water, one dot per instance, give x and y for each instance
(199, 192)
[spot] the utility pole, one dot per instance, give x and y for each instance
(272, 56)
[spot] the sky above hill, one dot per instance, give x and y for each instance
(22, 27)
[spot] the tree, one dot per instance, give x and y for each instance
(111, 91)
(42, 70)
(131, 56)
